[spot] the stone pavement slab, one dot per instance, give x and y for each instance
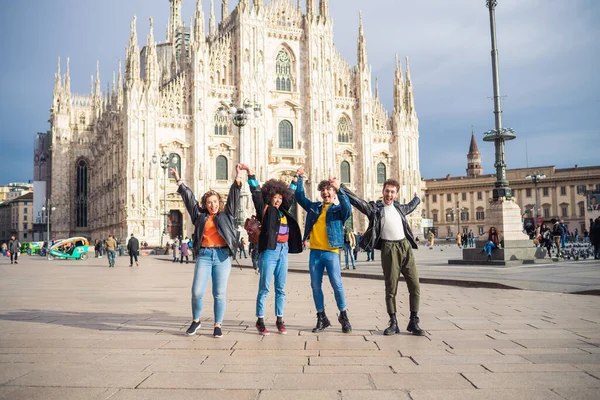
(83, 331)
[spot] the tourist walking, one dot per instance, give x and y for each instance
(471, 238)
(557, 233)
(14, 246)
(279, 236)
(431, 240)
(595, 238)
(349, 245)
(389, 232)
(216, 241)
(253, 250)
(243, 248)
(325, 227)
(185, 251)
(459, 240)
(111, 251)
(133, 247)
(4, 249)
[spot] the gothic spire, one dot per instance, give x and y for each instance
(311, 7)
(97, 92)
(174, 20)
(120, 86)
(68, 78)
(151, 64)
(199, 23)
(57, 77)
(224, 10)
(398, 88)
(132, 59)
(376, 87)
(409, 96)
(324, 8)
(362, 43)
(212, 25)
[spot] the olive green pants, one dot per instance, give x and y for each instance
(397, 257)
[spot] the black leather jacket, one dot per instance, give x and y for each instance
(224, 220)
(271, 221)
(373, 210)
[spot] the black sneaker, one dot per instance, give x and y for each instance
(193, 328)
(217, 332)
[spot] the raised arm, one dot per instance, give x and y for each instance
(191, 204)
(345, 207)
(410, 207)
(285, 203)
(300, 196)
(360, 204)
(233, 199)
(257, 198)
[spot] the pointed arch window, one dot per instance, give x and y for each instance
(283, 72)
(221, 124)
(222, 168)
(81, 195)
(381, 173)
(82, 119)
(343, 129)
(286, 135)
(345, 171)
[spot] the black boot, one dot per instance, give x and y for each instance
(322, 322)
(343, 319)
(393, 328)
(413, 325)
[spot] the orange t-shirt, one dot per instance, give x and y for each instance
(211, 237)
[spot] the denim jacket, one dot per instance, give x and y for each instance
(335, 218)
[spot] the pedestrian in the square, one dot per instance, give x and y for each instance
(14, 246)
(111, 250)
(133, 247)
(325, 227)
(185, 252)
(493, 242)
(576, 235)
(216, 241)
(389, 231)
(279, 236)
(349, 244)
(595, 238)
(459, 240)
(253, 250)
(243, 248)
(431, 240)
(175, 249)
(4, 248)
(557, 233)
(471, 238)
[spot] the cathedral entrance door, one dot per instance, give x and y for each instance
(174, 224)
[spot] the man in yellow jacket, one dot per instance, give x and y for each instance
(111, 250)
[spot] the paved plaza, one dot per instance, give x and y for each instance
(79, 330)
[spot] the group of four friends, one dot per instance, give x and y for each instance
(216, 240)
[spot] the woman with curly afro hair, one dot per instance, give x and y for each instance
(280, 234)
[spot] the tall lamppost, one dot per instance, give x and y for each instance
(240, 115)
(455, 213)
(535, 178)
(48, 210)
(498, 135)
(164, 164)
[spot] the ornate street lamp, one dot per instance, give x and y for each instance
(498, 135)
(535, 178)
(164, 164)
(48, 211)
(240, 115)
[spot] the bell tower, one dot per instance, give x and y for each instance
(474, 167)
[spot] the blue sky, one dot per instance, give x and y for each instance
(548, 50)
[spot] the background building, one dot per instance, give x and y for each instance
(16, 218)
(317, 111)
(458, 204)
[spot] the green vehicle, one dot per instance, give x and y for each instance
(74, 248)
(32, 247)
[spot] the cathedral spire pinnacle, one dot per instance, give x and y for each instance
(398, 88)
(409, 95)
(57, 77)
(68, 77)
(324, 8)
(98, 91)
(224, 10)
(311, 7)
(212, 26)
(376, 87)
(199, 23)
(132, 60)
(174, 20)
(362, 43)
(151, 64)
(120, 86)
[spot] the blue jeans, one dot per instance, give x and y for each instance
(348, 249)
(563, 240)
(273, 263)
(488, 247)
(111, 254)
(320, 261)
(472, 242)
(213, 263)
(371, 255)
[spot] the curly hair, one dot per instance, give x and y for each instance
(324, 184)
(392, 182)
(272, 187)
(208, 194)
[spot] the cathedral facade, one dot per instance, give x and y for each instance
(314, 110)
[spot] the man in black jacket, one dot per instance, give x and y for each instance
(133, 246)
(389, 231)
